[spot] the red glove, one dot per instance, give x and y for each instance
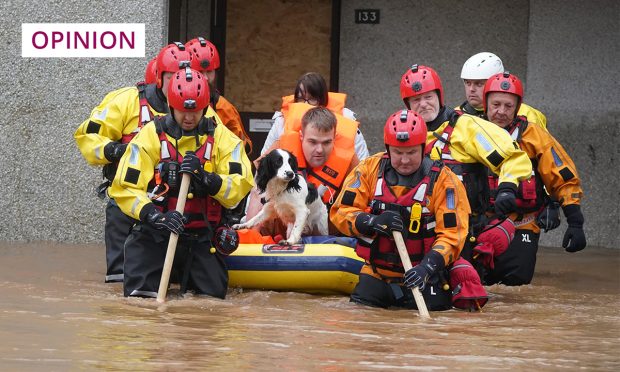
(493, 241)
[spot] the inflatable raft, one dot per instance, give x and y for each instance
(327, 268)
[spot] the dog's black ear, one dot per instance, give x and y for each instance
(313, 193)
(292, 161)
(264, 172)
(294, 184)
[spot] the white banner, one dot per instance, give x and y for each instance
(88, 40)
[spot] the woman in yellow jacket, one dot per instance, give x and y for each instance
(147, 183)
(401, 190)
(552, 168)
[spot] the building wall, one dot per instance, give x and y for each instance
(46, 187)
(563, 50)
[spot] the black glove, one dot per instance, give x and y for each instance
(172, 220)
(202, 179)
(226, 240)
(549, 217)
(506, 199)
(384, 223)
(574, 237)
(113, 151)
(419, 275)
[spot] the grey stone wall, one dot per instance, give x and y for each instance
(572, 76)
(46, 187)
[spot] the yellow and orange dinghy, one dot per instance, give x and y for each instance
(318, 265)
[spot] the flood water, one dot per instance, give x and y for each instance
(56, 314)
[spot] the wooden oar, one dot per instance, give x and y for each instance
(404, 257)
(172, 243)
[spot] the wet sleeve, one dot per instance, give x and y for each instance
(135, 171)
(355, 196)
(104, 125)
(232, 120)
(233, 166)
(450, 206)
(492, 146)
(555, 167)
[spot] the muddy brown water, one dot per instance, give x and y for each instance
(56, 314)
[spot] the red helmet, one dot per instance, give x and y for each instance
(503, 82)
(150, 76)
(204, 55)
(420, 79)
(188, 91)
(404, 128)
(171, 58)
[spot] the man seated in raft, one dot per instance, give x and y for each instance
(325, 153)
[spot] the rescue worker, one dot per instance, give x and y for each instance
(147, 184)
(467, 144)
(553, 169)
(402, 190)
(475, 72)
(311, 89)
(103, 137)
(205, 58)
(324, 152)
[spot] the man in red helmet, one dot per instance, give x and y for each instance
(468, 145)
(147, 184)
(402, 190)
(553, 169)
(205, 58)
(150, 74)
(103, 137)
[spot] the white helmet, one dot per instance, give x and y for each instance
(482, 66)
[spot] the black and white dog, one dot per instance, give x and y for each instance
(289, 197)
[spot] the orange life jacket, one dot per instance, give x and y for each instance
(335, 103)
(334, 171)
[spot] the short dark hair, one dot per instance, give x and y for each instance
(323, 119)
(314, 85)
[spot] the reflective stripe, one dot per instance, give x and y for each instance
(515, 134)
(114, 278)
(379, 186)
(228, 187)
(165, 154)
(431, 225)
(145, 114)
(134, 206)
(98, 152)
(236, 154)
(136, 292)
(419, 194)
(134, 154)
(481, 139)
(208, 151)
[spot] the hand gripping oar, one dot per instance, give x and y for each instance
(172, 243)
(404, 257)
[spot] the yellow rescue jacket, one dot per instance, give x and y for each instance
(117, 116)
(137, 167)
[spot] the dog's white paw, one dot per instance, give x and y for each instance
(239, 226)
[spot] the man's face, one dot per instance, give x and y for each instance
(165, 81)
(501, 108)
(426, 105)
(406, 160)
(317, 145)
(187, 120)
(473, 92)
